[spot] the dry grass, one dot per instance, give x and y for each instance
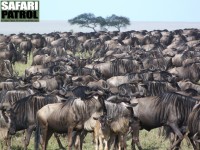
(20, 68)
(149, 141)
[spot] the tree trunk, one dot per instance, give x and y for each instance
(94, 29)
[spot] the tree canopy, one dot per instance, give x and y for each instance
(117, 21)
(87, 20)
(90, 21)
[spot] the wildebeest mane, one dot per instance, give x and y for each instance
(114, 68)
(156, 88)
(173, 102)
(2, 95)
(31, 104)
(78, 108)
(113, 110)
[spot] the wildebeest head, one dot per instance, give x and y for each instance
(104, 121)
(10, 118)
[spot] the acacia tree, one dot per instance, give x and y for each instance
(117, 21)
(88, 20)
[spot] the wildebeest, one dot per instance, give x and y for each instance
(6, 70)
(194, 127)
(50, 83)
(191, 72)
(9, 53)
(3, 133)
(117, 67)
(26, 46)
(169, 109)
(10, 97)
(114, 125)
(22, 114)
(66, 117)
(186, 84)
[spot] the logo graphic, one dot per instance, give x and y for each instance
(19, 11)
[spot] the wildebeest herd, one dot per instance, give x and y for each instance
(131, 81)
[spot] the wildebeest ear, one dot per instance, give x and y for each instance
(109, 119)
(129, 105)
(95, 118)
(134, 104)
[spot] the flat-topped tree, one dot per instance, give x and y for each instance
(87, 20)
(117, 21)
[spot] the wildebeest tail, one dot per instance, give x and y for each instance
(37, 135)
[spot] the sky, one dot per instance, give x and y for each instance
(136, 10)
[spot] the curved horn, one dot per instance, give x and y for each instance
(88, 92)
(36, 84)
(100, 92)
(62, 91)
(105, 85)
(52, 92)
(53, 70)
(122, 91)
(195, 137)
(23, 86)
(112, 98)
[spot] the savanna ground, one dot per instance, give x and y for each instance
(149, 140)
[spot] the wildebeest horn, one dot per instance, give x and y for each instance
(195, 137)
(123, 91)
(62, 91)
(135, 94)
(105, 86)
(52, 92)
(112, 98)
(88, 92)
(23, 86)
(129, 105)
(56, 67)
(100, 92)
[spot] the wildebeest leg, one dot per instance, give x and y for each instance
(178, 133)
(106, 145)
(116, 142)
(192, 142)
(58, 141)
(122, 142)
(8, 141)
(70, 140)
(44, 136)
(82, 137)
(198, 146)
(28, 134)
(111, 141)
(119, 143)
(100, 145)
(49, 134)
(135, 129)
(78, 141)
(96, 138)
